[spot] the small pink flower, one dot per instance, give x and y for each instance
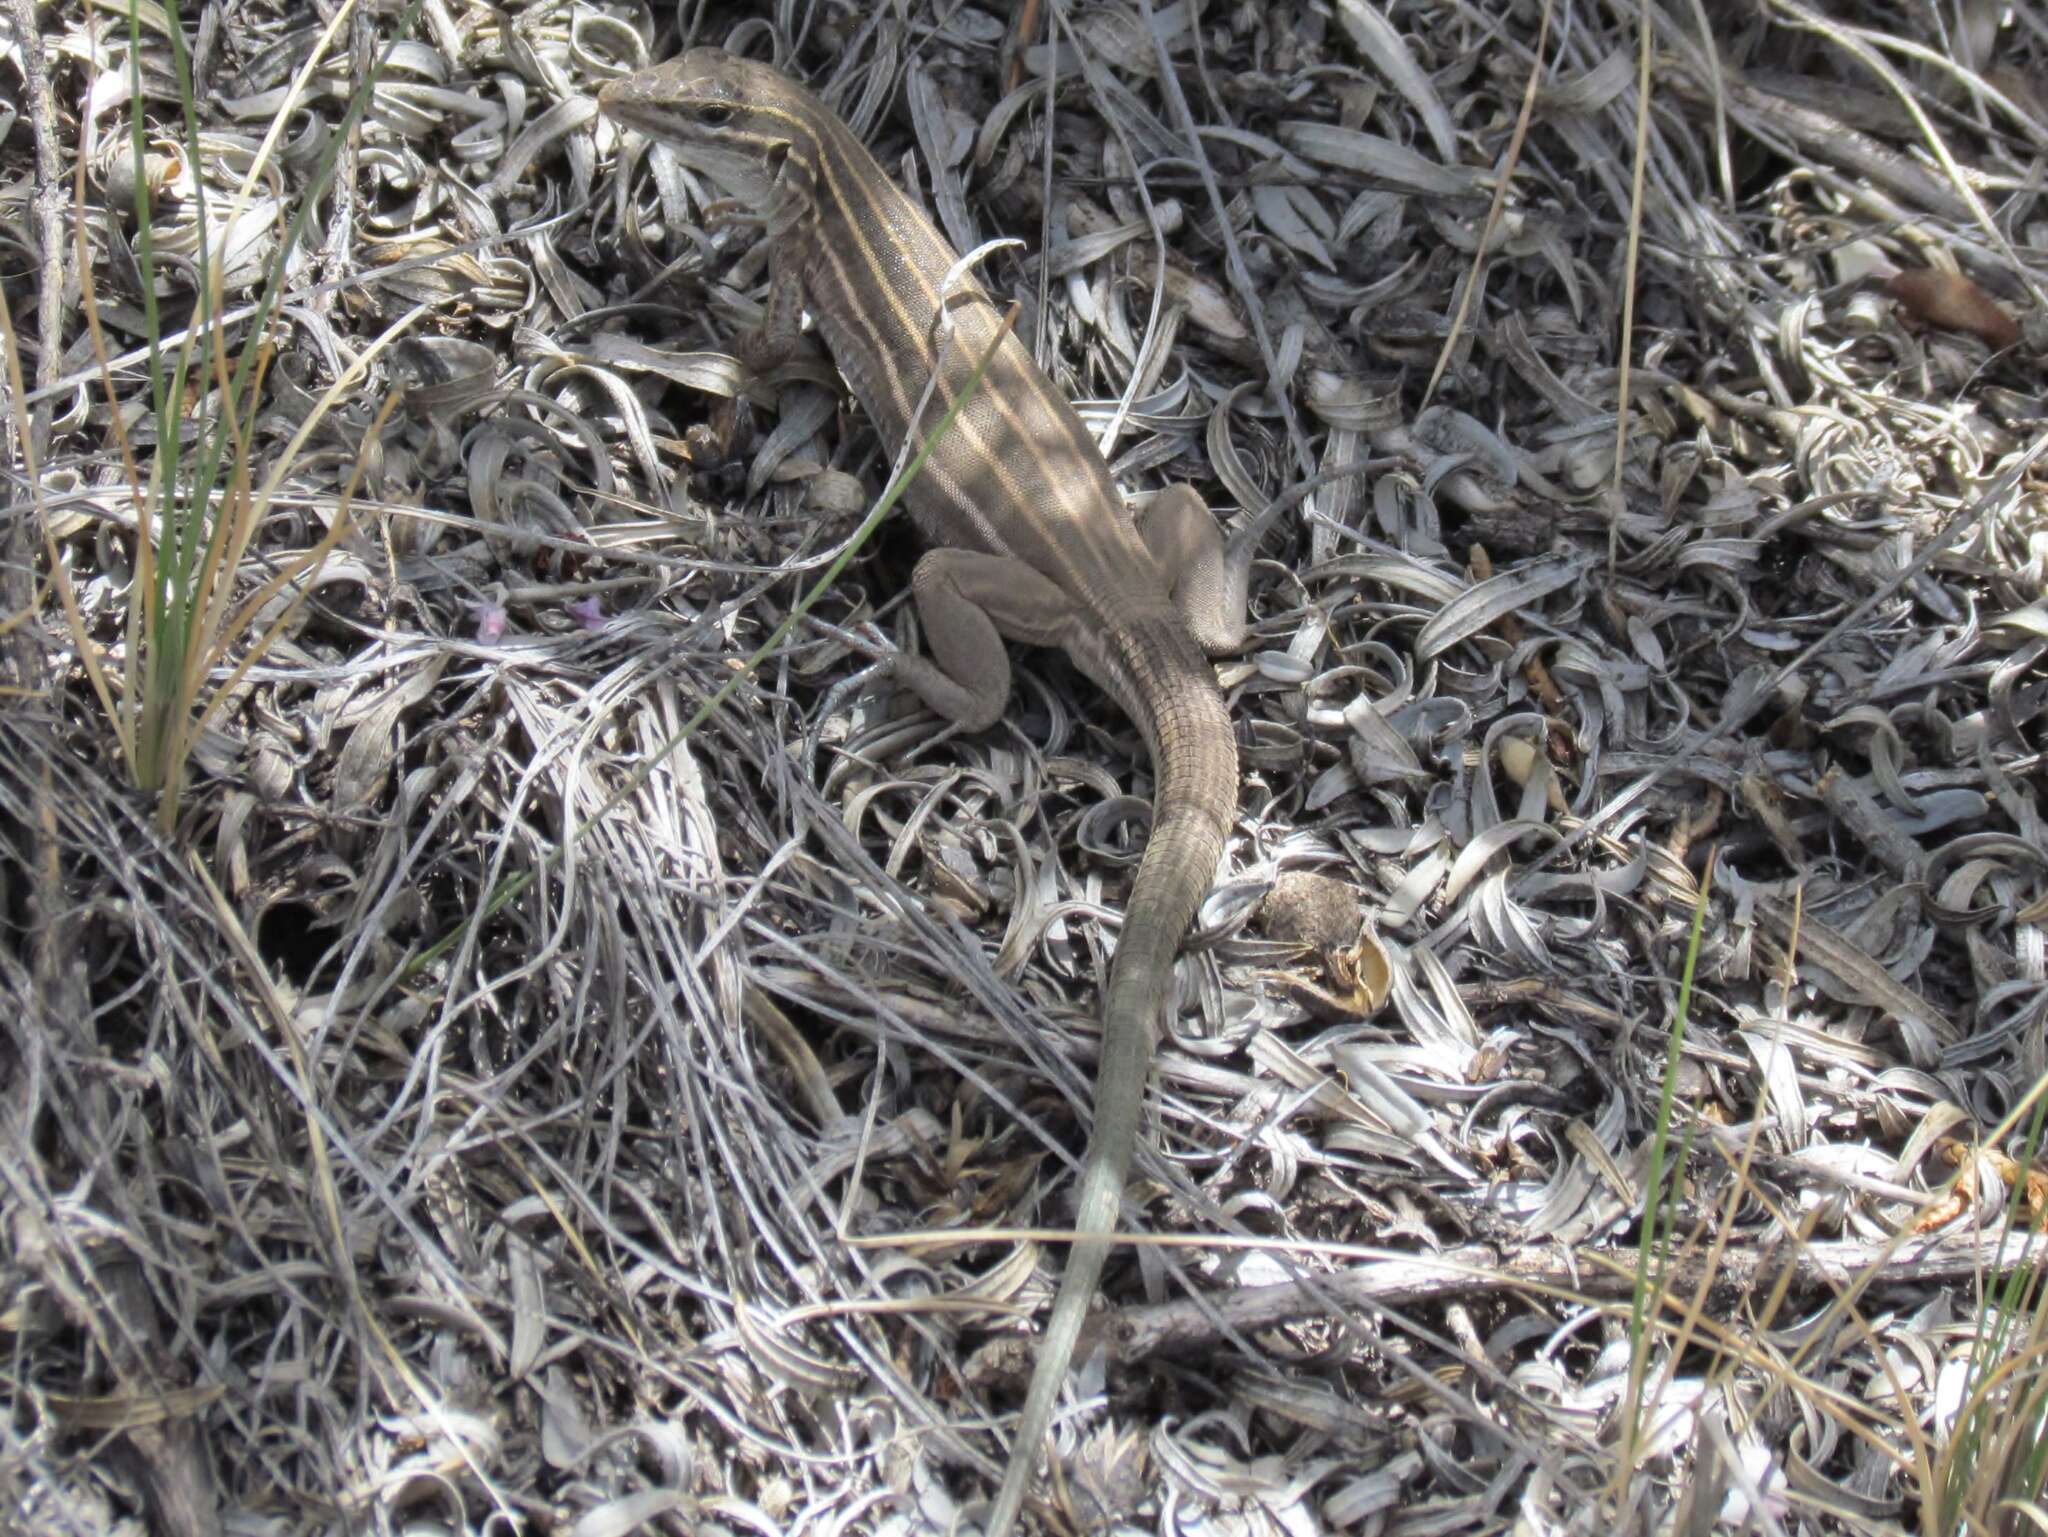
(588, 612)
(490, 621)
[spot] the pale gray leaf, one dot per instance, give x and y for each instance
(1486, 603)
(1385, 49)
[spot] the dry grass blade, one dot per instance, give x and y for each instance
(1674, 507)
(184, 618)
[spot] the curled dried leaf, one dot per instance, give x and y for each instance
(1953, 302)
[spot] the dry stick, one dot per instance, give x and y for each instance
(1503, 178)
(1385, 1279)
(49, 206)
(1710, 66)
(135, 620)
(1045, 203)
(18, 594)
(1628, 280)
(1014, 44)
(60, 579)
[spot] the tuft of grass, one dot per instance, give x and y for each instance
(1661, 1201)
(1991, 1472)
(1978, 1466)
(199, 508)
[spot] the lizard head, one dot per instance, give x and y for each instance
(740, 123)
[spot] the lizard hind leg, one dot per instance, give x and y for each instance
(969, 604)
(1207, 585)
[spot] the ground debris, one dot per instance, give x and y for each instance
(480, 1104)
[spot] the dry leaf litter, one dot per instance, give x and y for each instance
(337, 1198)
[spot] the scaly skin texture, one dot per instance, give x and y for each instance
(1033, 546)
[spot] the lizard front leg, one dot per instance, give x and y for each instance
(969, 603)
(781, 319)
(765, 348)
(1207, 579)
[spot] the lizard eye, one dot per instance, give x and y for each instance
(714, 116)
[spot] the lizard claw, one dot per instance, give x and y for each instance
(726, 212)
(875, 640)
(834, 701)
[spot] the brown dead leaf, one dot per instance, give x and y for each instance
(2031, 1179)
(1952, 301)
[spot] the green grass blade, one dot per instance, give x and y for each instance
(197, 516)
(1659, 1206)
